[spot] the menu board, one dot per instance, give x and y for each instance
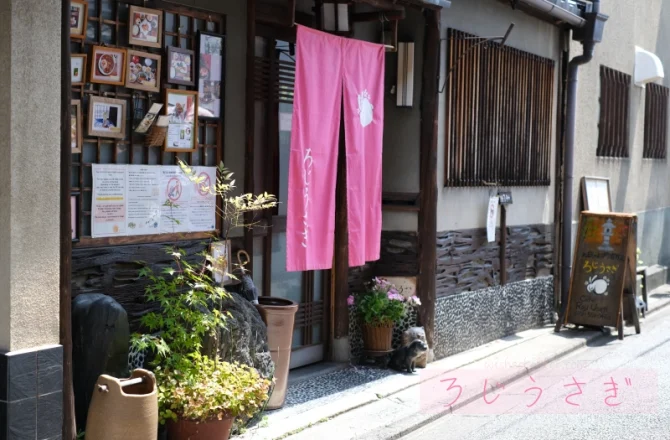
(604, 256)
(146, 200)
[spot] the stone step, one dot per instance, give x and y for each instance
(656, 276)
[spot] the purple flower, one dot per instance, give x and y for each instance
(414, 300)
(350, 300)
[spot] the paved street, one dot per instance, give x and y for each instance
(639, 365)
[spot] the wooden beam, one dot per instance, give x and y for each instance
(376, 16)
(428, 174)
(69, 423)
(341, 253)
(249, 127)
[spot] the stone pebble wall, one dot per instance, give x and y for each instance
(471, 319)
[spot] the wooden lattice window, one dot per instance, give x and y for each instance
(655, 122)
(614, 107)
(108, 26)
(499, 114)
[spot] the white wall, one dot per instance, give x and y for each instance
(465, 208)
(637, 185)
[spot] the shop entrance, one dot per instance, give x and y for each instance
(275, 76)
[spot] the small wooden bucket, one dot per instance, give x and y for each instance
(124, 409)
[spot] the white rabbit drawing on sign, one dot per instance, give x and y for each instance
(597, 285)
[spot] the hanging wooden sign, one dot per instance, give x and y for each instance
(602, 287)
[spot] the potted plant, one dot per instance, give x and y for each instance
(200, 398)
(379, 307)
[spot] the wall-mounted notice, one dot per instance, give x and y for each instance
(108, 213)
(144, 208)
(147, 200)
(492, 219)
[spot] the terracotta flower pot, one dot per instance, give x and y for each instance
(210, 430)
(279, 316)
(377, 338)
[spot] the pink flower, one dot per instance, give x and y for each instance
(350, 300)
(414, 300)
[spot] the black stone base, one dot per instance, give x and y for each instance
(31, 394)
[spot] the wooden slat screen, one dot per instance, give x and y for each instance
(655, 122)
(613, 131)
(499, 114)
(274, 80)
(108, 26)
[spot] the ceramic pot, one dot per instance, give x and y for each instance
(377, 338)
(210, 430)
(279, 316)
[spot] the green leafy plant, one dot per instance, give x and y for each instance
(381, 304)
(190, 384)
(206, 389)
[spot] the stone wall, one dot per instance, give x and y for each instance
(470, 319)
(467, 262)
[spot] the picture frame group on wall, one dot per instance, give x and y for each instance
(75, 127)
(108, 65)
(211, 59)
(78, 19)
(182, 111)
(180, 66)
(107, 117)
(145, 27)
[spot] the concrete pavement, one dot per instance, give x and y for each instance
(404, 403)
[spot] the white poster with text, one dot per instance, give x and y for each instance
(144, 204)
(108, 210)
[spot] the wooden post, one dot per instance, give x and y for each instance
(503, 245)
(69, 423)
(341, 253)
(249, 127)
(428, 174)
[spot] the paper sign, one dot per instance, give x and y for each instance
(285, 121)
(108, 213)
(149, 118)
(492, 219)
(144, 207)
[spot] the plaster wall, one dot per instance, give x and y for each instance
(637, 185)
(465, 208)
(30, 43)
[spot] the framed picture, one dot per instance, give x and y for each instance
(222, 265)
(74, 216)
(75, 126)
(78, 66)
(182, 111)
(107, 117)
(145, 27)
(78, 19)
(108, 66)
(211, 56)
(180, 66)
(596, 194)
(143, 71)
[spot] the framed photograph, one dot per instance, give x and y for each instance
(596, 194)
(78, 19)
(107, 117)
(181, 66)
(182, 111)
(74, 215)
(78, 66)
(145, 27)
(222, 265)
(211, 56)
(75, 126)
(148, 119)
(108, 66)
(143, 71)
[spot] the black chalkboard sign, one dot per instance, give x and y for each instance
(603, 267)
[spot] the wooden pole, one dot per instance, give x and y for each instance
(503, 245)
(249, 127)
(69, 424)
(428, 174)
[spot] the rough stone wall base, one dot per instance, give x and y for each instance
(471, 319)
